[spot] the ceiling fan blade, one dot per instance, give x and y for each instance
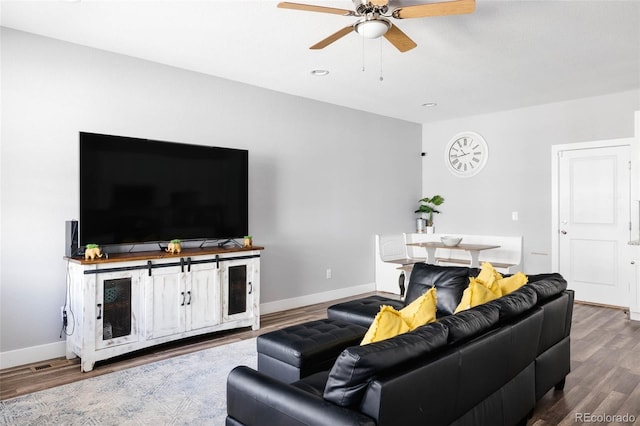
(333, 37)
(313, 8)
(400, 40)
(456, 7)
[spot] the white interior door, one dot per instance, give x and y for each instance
(593, 223)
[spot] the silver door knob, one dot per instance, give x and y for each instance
(563, 232)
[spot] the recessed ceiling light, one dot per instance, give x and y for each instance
(320, 73)
(429, 104)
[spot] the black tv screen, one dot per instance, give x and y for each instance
(138, 191)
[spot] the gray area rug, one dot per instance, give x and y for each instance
(185, 390)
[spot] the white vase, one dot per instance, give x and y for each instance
(430, 229)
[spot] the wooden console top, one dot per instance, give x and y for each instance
(159, 254)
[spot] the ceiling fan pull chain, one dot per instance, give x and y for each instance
(381, 77)
(362, 53)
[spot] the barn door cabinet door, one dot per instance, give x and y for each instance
(241, 290)
(181, 299)
(117, 308)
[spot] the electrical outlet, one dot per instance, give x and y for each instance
(328, 273)
(63, 316)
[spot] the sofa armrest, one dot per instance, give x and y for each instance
(254, 399)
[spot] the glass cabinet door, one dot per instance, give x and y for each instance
(116, 300)
(238, 290)
(116, 309)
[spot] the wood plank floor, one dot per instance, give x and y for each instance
(605, 363)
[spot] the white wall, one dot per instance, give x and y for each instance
(323, 179)
(517, 177)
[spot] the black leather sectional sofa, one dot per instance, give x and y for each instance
(488, 365)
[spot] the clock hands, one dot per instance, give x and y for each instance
(461, 155)
(464, 153)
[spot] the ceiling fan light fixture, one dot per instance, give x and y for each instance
(372, 28)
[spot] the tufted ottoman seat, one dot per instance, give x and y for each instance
(300, 350)
(362, 311)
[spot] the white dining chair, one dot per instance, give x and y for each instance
(393, 249)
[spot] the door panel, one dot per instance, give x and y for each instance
(238, 289)
(593, 190)
(594, 262)
(166, 301)
(118, 306)
(593, 221)
(204, 301)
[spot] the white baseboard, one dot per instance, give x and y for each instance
(310, 299)
(32, 354)
(49, 351)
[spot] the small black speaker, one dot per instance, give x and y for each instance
(71, 238)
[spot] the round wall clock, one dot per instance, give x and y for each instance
(466, 154)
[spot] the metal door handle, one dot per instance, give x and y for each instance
(563, 232)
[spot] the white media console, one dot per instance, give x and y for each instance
(132, 301)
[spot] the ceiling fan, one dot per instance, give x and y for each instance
(374, 22)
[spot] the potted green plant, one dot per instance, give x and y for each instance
(426, 209)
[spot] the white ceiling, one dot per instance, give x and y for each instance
(507, 54)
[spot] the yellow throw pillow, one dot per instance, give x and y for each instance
(387, 323)
(421, 311)
(474, 295)
(489, 277)
(512, 283)
(488, 274)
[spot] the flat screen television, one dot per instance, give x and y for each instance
(136, 191)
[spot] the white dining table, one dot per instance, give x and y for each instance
(473, 249)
